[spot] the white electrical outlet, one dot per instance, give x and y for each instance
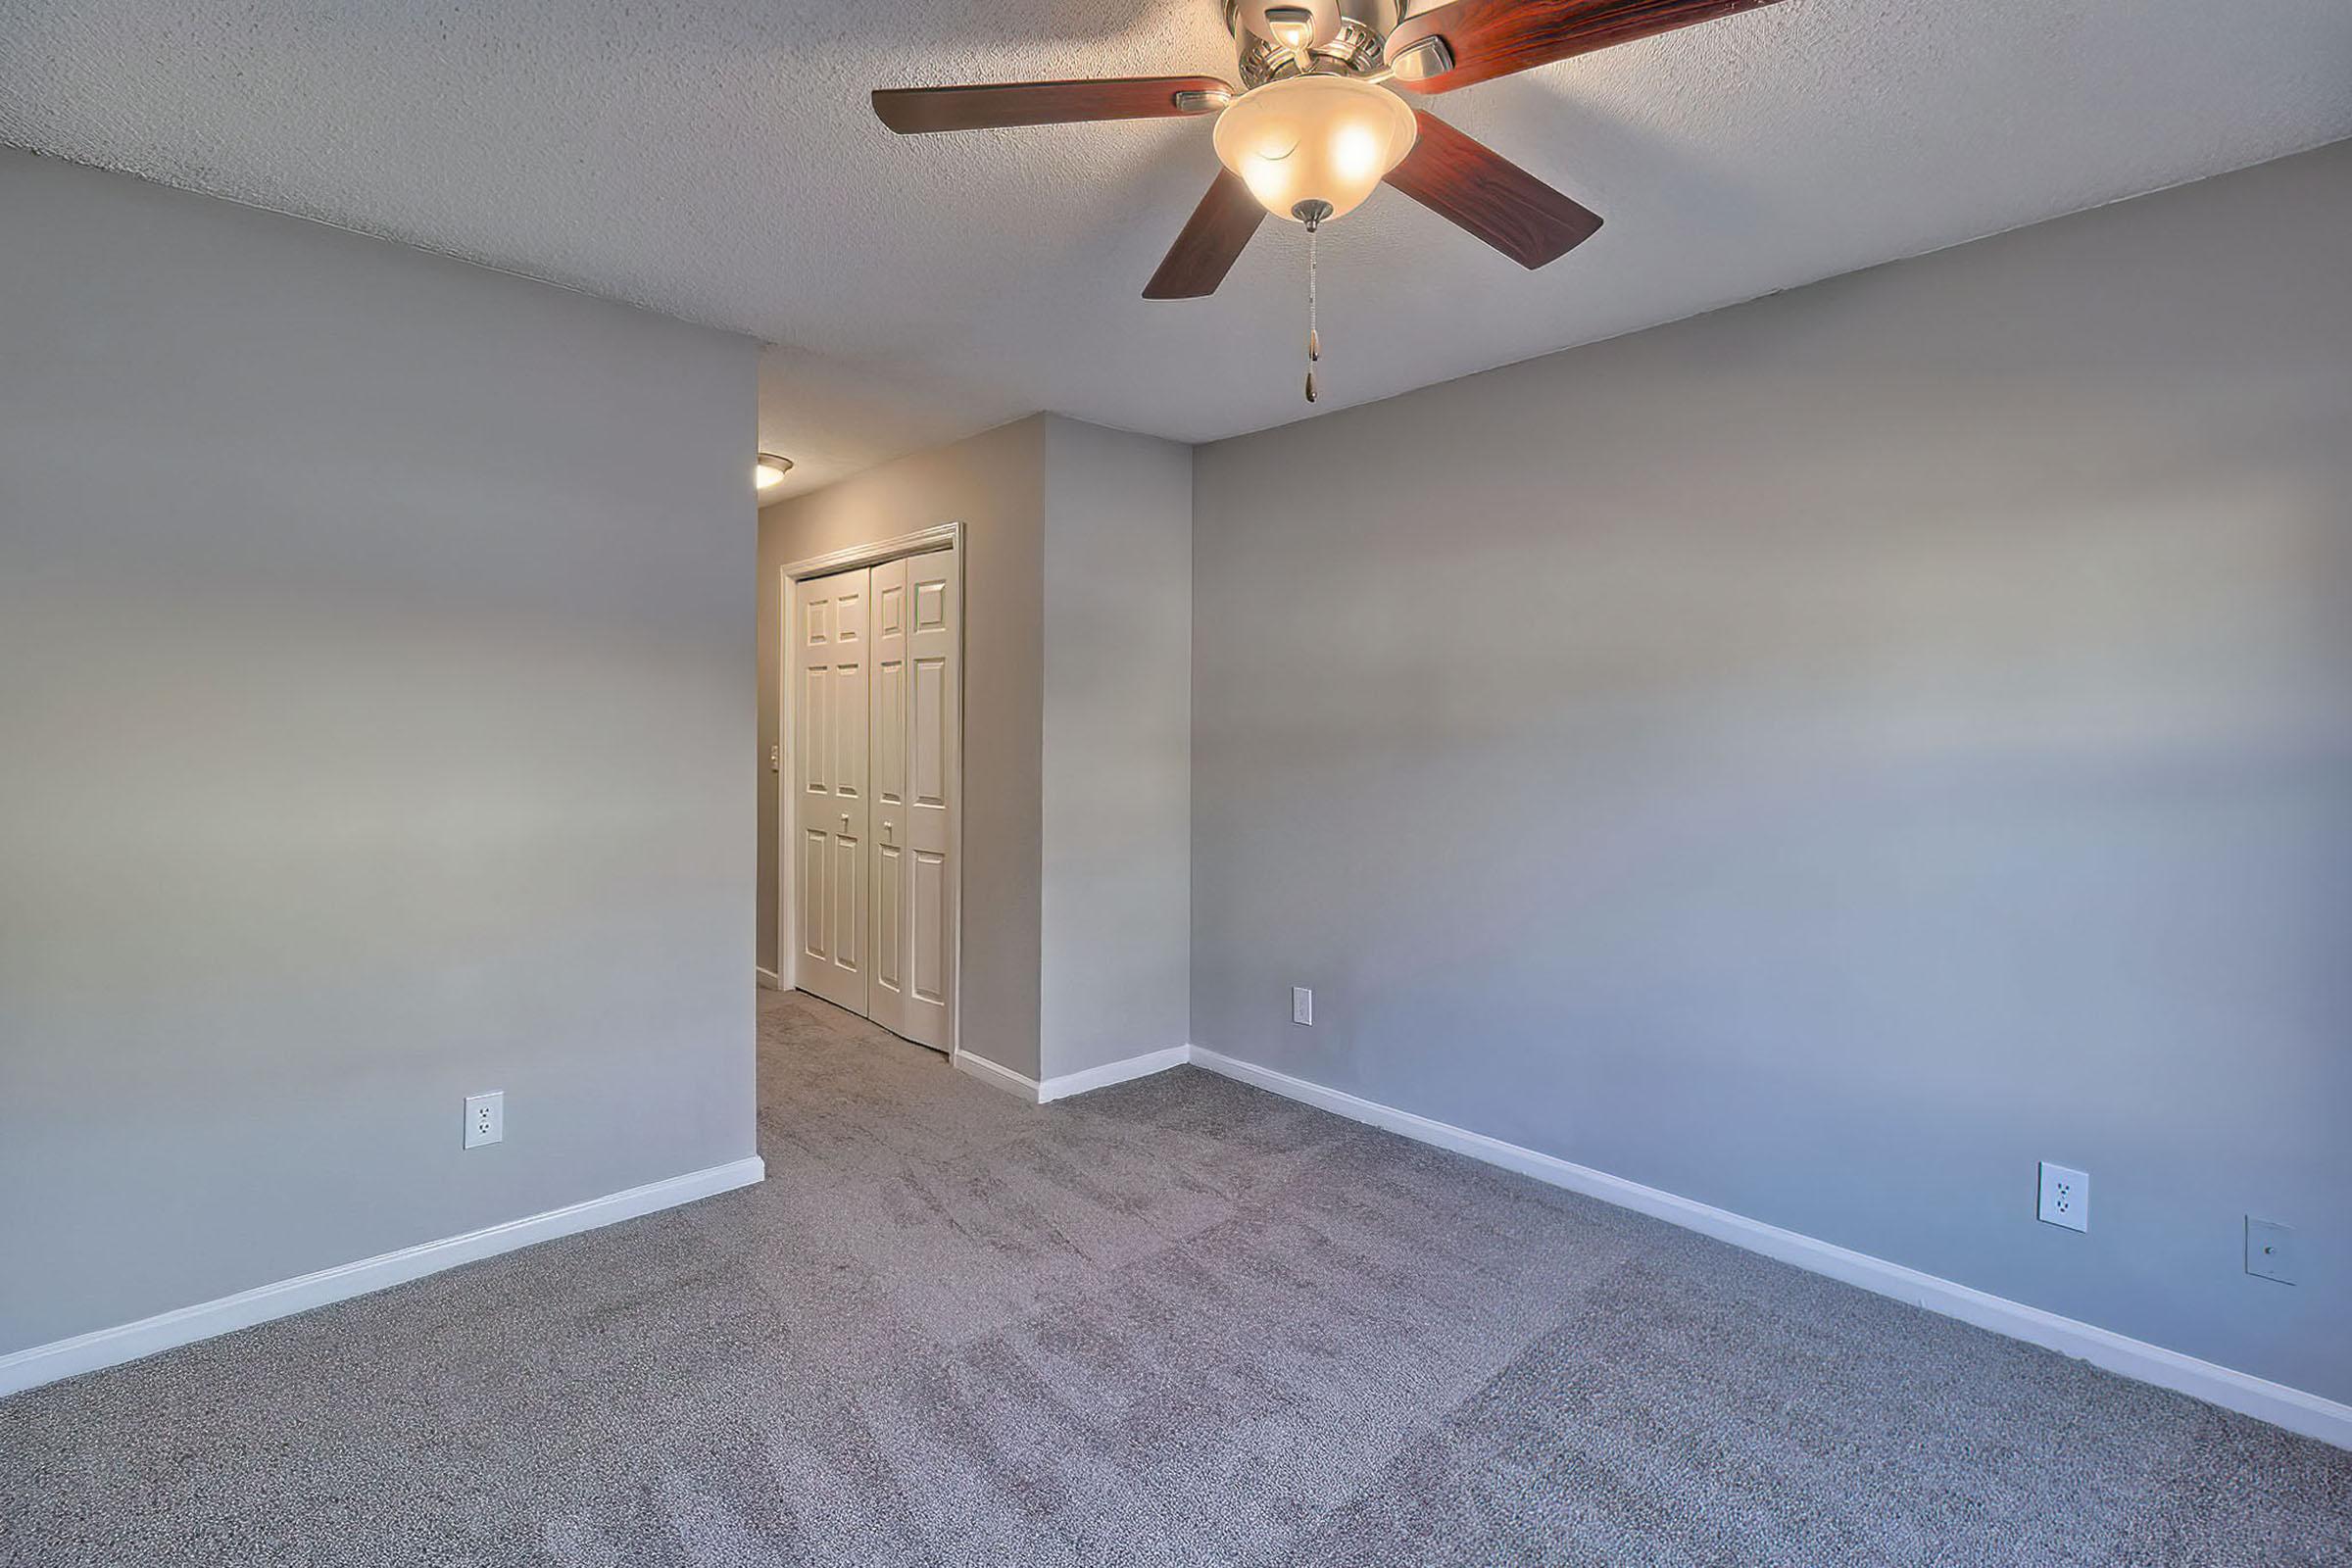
(2270, 1250)
(1303, 1005)
(2065, 1197)
(485, 1118)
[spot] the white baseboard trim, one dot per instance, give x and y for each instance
(2295, 1409)
(1112, 1072)
(1004, 1078)
(766, 979)
(129, 1342)
(1072, 1083)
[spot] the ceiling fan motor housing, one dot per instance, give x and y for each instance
(1342, 37)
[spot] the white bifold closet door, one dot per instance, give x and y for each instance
(876, 905)
(829, 753)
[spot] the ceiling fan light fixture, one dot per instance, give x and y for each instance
(1314, 144)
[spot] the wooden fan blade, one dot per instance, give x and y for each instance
(1210, 243)
(1480, 39)
(910, 111)
(1457, 176)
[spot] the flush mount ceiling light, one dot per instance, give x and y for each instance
(769, 472)
(1324, 69)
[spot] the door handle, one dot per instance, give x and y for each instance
(845, 822)
(886, 826)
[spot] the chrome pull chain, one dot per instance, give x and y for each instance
(1311, 212)
(1314, 341)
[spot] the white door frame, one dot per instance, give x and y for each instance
(939, 536)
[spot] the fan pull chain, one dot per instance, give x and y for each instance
(1314, 343)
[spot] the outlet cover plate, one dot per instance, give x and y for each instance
(2065, 1197)
(2270, 1250)
(485, 1118)
(1303, 1005)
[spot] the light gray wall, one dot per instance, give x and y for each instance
(1117, 869)
(1822, 757)
(373, 713)
(994, 485)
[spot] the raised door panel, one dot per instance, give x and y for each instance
(932, 917)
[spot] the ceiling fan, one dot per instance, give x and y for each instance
(1321, 122)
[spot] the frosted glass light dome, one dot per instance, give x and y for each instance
(1306, 139)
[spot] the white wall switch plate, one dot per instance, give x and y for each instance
(1303, 1005)
(2065, 1197)
(2270, 1250)
(485, 1118)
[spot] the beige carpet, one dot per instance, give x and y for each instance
(1178, 1321)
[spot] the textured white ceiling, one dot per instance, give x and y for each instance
(716, 158)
